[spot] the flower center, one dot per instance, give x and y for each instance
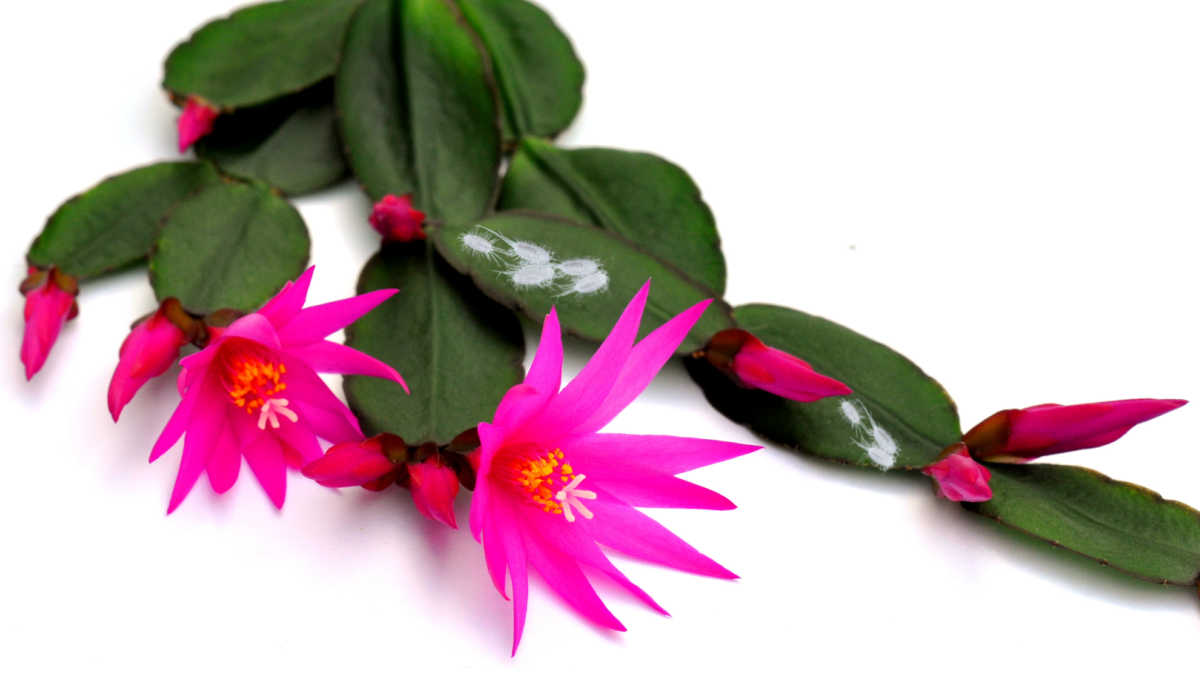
(252, 376)
(548, 481)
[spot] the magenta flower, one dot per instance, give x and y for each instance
(1028, 433)
(756, 365)
(960, 478)
(195, 122)
(49, 302)
(151, 347)
(550, 489)
(254, 392)
(396, 220)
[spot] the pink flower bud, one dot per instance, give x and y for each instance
(960, 478)
(195, 122)
(351, 464)
(781, 373)
(151, 347)
(433, 486)
(1028, 433)
(396, 220)
(49, 302)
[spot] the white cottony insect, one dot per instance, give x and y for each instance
(578, 267)
(588, 284)
(873, 439)
(528, 252)
(529, 265)
(479, 244)
(532, 275)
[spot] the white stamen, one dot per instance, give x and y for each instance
(570, 497)
(272, 409)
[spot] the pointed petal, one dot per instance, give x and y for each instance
(330, 357)
(225, 462)
(325, 414)
(518, 574)
(545, 373)
(316, 322)
(579, 399)
(180, 418)
(645, 361)
(636, 452)
(301, 439)
(625, 529)
(287, 303)
(661, 490)
(580, 546)
(494, 555)
(202, 436)
(254, 327)
(265, 457)
(563, 575)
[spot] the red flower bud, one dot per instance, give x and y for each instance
(351, 464)
(49, 302)
(745, 357)
(151, 347)
(195, 122)
(396, 220)
(1028, 433)
(433, 486)
(960, 478)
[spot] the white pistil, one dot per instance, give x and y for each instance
(570, 496)
(272, 409)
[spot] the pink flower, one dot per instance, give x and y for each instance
(49, 302)
(151, 347)
(396, 220)
(550, 489)
(195, 122)
(1028, 433)
(757, 365)
(434, 485)
(960, 478)
(254, 392)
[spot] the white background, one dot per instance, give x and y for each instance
(1004, 192)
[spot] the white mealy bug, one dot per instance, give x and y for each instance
(873, 439)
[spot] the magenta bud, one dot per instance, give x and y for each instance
(434, 485)
(769, 369)
(396, 220)
(151, 347)
(1028, 433)
(195, 122)
(359, 463)
(49, 302)
(960, 478)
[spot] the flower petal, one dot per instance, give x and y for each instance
(579, 399)
(349, 464)
(179, 421)
(254, 327)
(225, 461)
(330, 357)
(287, 303)
(301, 439)
(637, 452)
(661, 490)
(645, 361)
(203, 434)
(563, 575)
(317, 322)
(265, 457)
(317, 405)
(625, 529)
